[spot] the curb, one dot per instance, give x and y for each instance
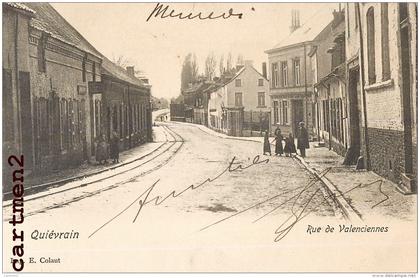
(348, 211)
(86, 175)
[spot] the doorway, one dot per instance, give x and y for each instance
(297, 115)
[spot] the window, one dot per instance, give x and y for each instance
(284, 112)
(276, 111)
(261, 99)
(94, 71)
(238, 99)
(238, 82)
(296, 71)
(260, 82)
(284, 73)
(403, 11)
(41, 53)
(370, 19)
(386, 74)
(274, 75)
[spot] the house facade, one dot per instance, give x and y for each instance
(381, 43)
(52, 113)
(196, 101)
(329, 78)
(234, 100)
(52, 109)
(121, 103)
(290, 75)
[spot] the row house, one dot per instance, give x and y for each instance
(232, 98)
(121, 104)
(329, 78)
(48, 106)
(383, 98)
(290, 75)
(196, 100)
(46, 101)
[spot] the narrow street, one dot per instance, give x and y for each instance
(192, 156)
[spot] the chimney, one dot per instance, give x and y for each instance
(295, 21)
(264, 70)
(130, 70)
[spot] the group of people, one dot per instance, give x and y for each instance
(289, 148)
(105, 150)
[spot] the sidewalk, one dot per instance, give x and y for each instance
(374, 197)
(88, 169)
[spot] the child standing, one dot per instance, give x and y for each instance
(289, 147)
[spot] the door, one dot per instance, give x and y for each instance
(297, 115)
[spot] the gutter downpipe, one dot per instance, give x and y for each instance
(362, 87)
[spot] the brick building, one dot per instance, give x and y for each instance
(381, 47)
(50, 99)
(51, 112)
(121, 103)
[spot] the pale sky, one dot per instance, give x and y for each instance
(158, 47)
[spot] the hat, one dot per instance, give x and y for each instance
(301, 124)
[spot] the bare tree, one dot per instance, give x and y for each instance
(240, 60)
(222, 65)
(194, 67)
(121, 61)
(210, 66)
(229, 62)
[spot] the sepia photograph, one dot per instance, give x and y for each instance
(210, 137)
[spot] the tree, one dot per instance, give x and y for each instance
(121, 61)
(222, 65)
(229, 63)
(189, 71)
(210, 66)
(194, 67)
(240, 60)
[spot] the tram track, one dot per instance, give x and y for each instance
(174, 147)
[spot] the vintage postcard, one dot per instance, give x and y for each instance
(209, 137)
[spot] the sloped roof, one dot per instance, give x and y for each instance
(308, 31)
(20, 6)
(47, 19)
(111, 69)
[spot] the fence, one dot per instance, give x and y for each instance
(255, 123)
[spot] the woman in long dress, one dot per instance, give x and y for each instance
(279, 141)
(267, 148)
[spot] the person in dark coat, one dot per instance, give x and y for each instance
(114, 149)
(303, 140)
(289, 146)
(267, 148)
(279, 141)
(102, 150)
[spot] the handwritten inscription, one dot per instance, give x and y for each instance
(144, 199)
(164, 11)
